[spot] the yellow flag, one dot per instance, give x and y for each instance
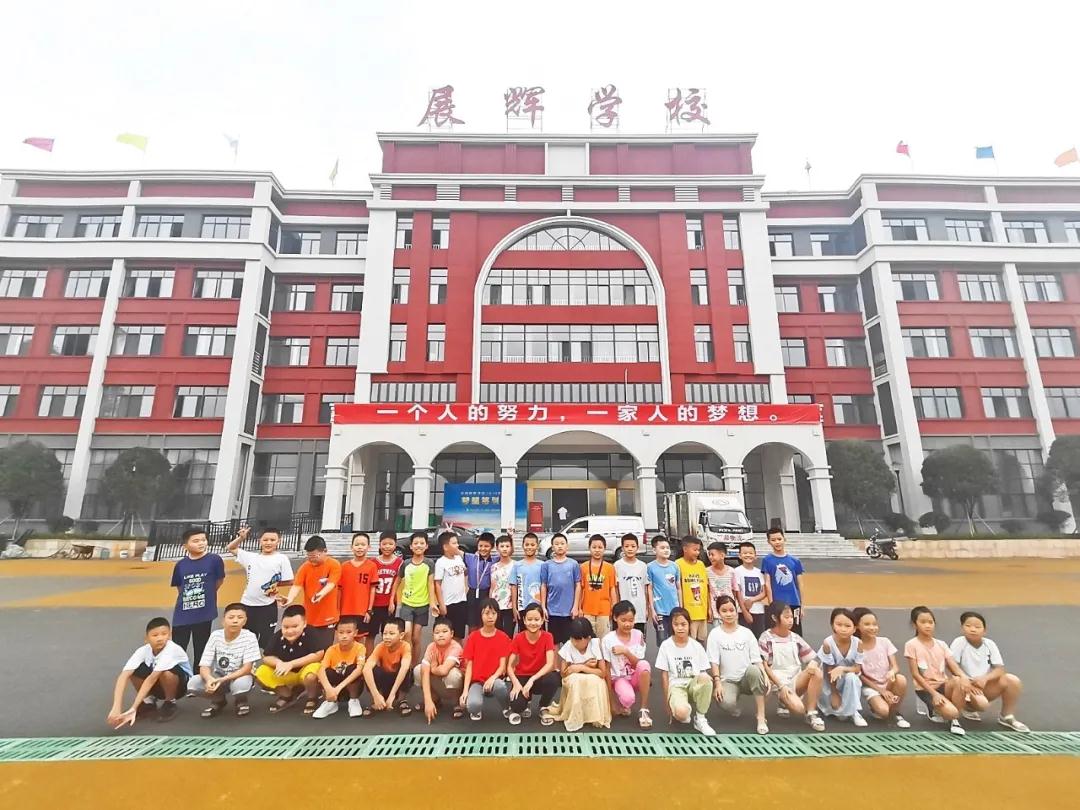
(138, 141)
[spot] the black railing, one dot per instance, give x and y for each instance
(165, 535)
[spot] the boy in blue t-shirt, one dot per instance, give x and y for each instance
(662, 588)
(197, 578)
(783, 576)
(560, 590)
(526, 579)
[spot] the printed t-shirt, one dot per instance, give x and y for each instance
(485, 653)
(169, 656)
(313, 578)
(620, 664)
(875, 661)
(501, 578)
(681, 664)
(387, 659)
(386, 573)
(597, 582)
(561, 579)
(783, 572)
(436, 656)
(450, 574)
(287, 650)
(527, 577)
(695, 588)
(340, 660)
(415, 592)
(733, 652)
(722, 583)
(531, 657)
(751, 583)
(631, 579)
(264, 573)
(196, 582)
(930, 660)
(976, 661)
(770, 645)
(224, 657)
(357, 582)
(572, 655)
(665, 581)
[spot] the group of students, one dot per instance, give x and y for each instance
(510, 630)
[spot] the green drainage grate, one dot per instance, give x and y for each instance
(588, 744)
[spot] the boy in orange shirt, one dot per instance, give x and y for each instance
(341, 670)
(317, 579)
(358, 579)
(597, 587)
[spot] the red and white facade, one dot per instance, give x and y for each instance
(217, 317)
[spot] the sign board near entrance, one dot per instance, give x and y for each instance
(478, 506)
(461, 413)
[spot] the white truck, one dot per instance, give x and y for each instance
(710, 516)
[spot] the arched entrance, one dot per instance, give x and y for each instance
(786, 486)
(687, 466)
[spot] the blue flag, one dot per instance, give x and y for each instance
(984, 152)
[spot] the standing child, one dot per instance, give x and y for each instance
(341, 669)
(531, 668)
(158, 670)
(597, 587)
(841, 655)
(883, 687)
(415, 591)
(478, 568)
(450, 585)
(387, 572)
(197, 578)
(584, 697)
(722, 580)
(388, 672)
(502, 575)
(940, 684)
(981, 661)
(684, 677)
(736, 664)
(316, 581)
(783, 576)
(751, 584)
(630, 578)
(792, 667)
(485, 656)
(560, 589)
(439, 673)
(695, 587)
(290, 668)
(359, 577)
(624, 651)
(267, 572)
(663, 590)
(227, 663)
(527, 580)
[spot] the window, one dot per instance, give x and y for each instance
(226, 227)
(397, 342)
(845, 352)
(980, 287)
(793, 352)
(966, 230)
(915, 286)
(838, 298)
(1041, 287)
(1018, 472)
(731, 234)
(274, 474)
(736, 288)
(86, 283)
(530, 393)
(436, 342)
(417, 392)
(326, 406)
(1006, 403)
(97, 227)
(726, 392)
(283, 409)
(987, 342)
(741, 335)
(15, 340)
(127, 401)
(347, 298)
(801, 399)
(569, 343)
(342, 351)
(9, 396)
(699, 288)
(74, 341)
(1064, 402)
(403, 238)
(209, 341)
(703, 346)
(787, 299)
(821, 244)
(218, 283)
(1054, 341)
(37, 226)
(926, 342)
(878, 359)
(1026, 232)
(160, 226)
(348, 242)
(22, 283)
(200, 402)
(568, 288)
(148, 284)
(1072, 233)
(399, 293)
(289, 351)
(695, 235)
(567, 238)
(937, 403)
(854, 409)
(781, 245)
(138, 341)
(440, 233)
(305, 243)
(294, 297)
(905, 230)
(62, 400)
(437, 290)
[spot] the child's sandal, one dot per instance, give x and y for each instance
(213, 710)
(404, 708)
(311, 705)
(243, 709)
(545, 718)
(280, 705)
(645, 719)
(458, 712)
(368, 711)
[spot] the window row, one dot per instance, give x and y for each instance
(695, 234)
(1031, 232)
(582, 343)
(413, 392)
(989, 342)
(707, 393)
(569, 287)
(947, 403)
(295, 351)
(571, 392)
(440, 233)
(301, 297)
(923, 286)
(157, 226)
(831, 298)
(310, 243)
(839, 352)
(782, 245)
(138, 283)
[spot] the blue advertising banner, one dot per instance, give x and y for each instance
(479, 506)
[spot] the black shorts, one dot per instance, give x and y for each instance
(379, 615)
(322, 637)
(142, 672)
(559, 627)
(473, 600)
(457, 614)
(756, 625)
(363, 628)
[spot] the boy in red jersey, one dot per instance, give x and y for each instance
(388, 569)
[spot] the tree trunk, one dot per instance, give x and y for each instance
(971, 520)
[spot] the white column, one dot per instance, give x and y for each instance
(421, 504)
(355, 498)
(378, 280)
(760, 298)
(260, 212)
(508, 498)
(733, 478)
(7, 191)
(335, 491)
(997, 222)
(875, 231)
(127, 218)
(789, 497)
(646, 481)
(821, 492)
(80, 462)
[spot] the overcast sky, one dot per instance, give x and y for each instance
(304, 83)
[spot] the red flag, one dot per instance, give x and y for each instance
(902, 149)
(1067, 157)
(40, 143)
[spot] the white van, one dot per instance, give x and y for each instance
(612, 527)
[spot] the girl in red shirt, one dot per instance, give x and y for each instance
(532, 668)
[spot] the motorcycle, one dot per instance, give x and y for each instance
(881, 546)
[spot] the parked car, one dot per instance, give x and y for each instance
(578, 532)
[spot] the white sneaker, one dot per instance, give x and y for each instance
(956, 728)
(1010, 721)
(514, 718)
(702, 725)
(858, 721)
(326, 708)
(901, 722)
(783, 711)
(921, 710)
(477, 716)
(813, 719)
(975, 717)
(355, 709)
(937, 718)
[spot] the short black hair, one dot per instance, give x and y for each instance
(395, 621)
(660, 539)
(234, 606)
(718, 546)
(156, 622)
(387, 535)
(488, 604)
(446, 537)
(581, 628)
(690, 539)
(504, 538)
(489, 536)
(747, 543)
(270, 530)
(443, 621)
(774, 530)
(597, 538)
(527, 535)
(315, 543)
(353, 620)
(365, 535)
(622, 607)
(628, 536)
(294, 610)
(918, 611)
(191, 532)
(418, 533)
(531, 607)
(972, 614)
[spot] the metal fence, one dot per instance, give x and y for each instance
(166, 535)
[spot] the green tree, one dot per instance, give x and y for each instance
(29, 475)
(140, 482)
(1063, 468)
(960, 474)
(861, 479)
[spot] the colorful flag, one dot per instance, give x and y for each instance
(1065, 158)
(333, 171)
(138, 141)
(982, 152)
(40, 143)
(903, 149)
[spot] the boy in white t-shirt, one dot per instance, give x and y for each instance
(451, 584)
(751, 594)
(226, 665)
(267, 571)
(683, 669)
(158, 670)
(981, 661)
(736, 664)
(631, 575)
